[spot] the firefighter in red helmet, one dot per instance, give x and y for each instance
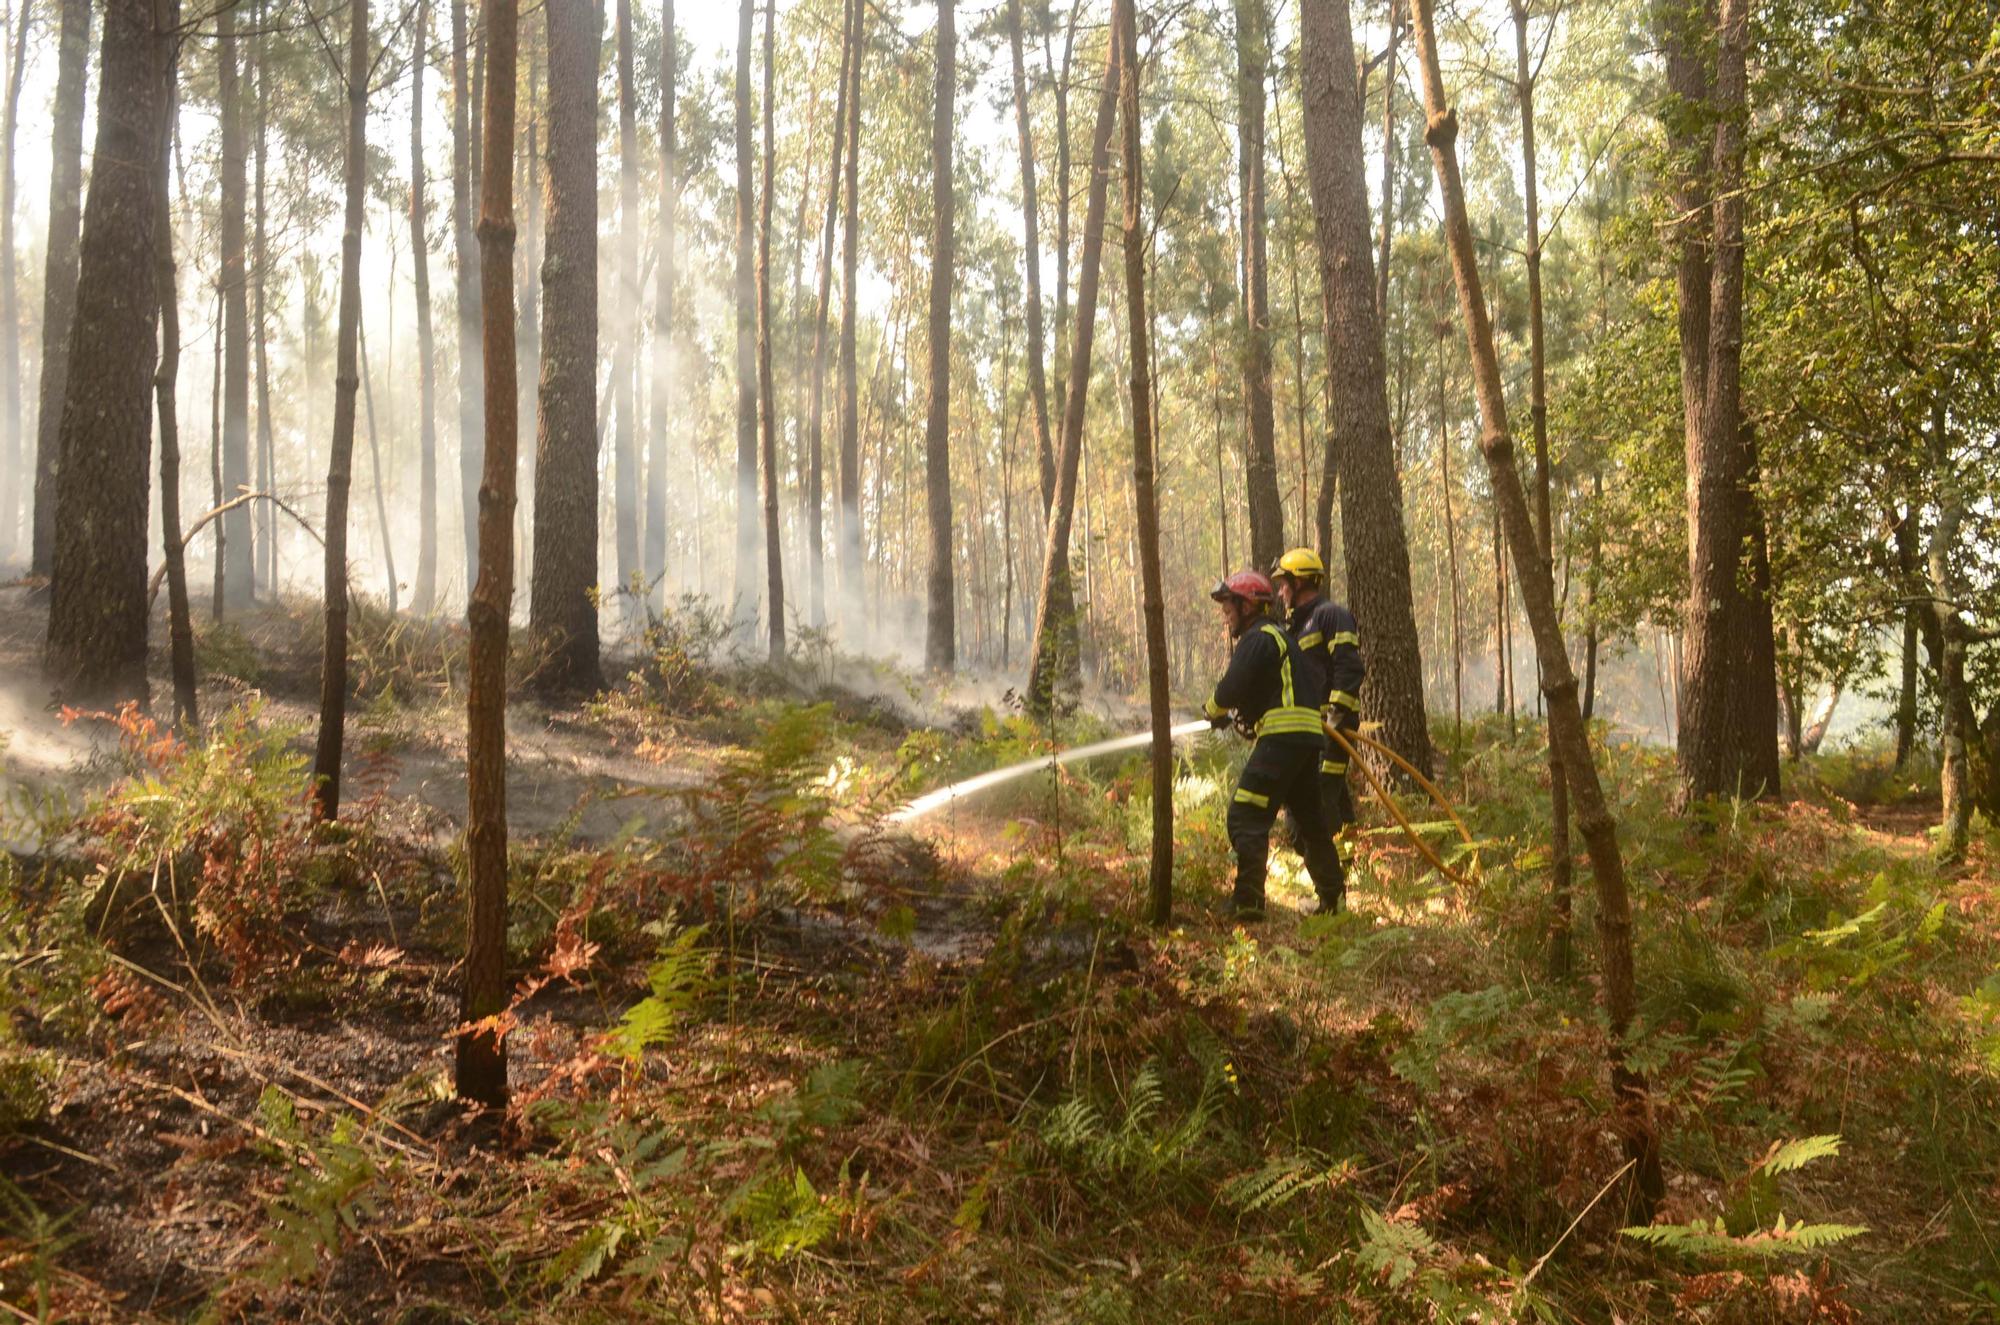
(1273, 691)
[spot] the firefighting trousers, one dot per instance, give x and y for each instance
(1336, 798)
(1282, 773)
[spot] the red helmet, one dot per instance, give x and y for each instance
(1251, 585)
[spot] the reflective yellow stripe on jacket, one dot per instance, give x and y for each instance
(1287, 717)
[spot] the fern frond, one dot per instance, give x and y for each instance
(1797, 1154)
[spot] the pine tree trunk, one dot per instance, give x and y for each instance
(743, 596)
(267, 452)
(13, 495)
(180, 619)
(97, 606)
(774, 564)
(1906, 694)
(560, 611)
(663, 314)
(59, 270)
(383, 537)
(530, 298)
(424, 599)
(340, 454)
(1600, 831)
(849, 518)
(465, 270)
(1728, 708)
(823, 308)
(625, 310)
(1267, 512)
(1145, 505)
(481, 1069)
(1047, 663)
(1391, 72)
(239, 573)
(1374, 547)
(940, 632)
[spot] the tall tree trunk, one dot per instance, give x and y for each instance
(1047, 664)
(383, 536)
(59, 270)
(1146, 510)
(425, 595)
(743, 596)
(625, 312)
(1590, 596)
(180, 618)
(774, 563)
(848, 525)
(1594, 821)
(560, 611)
(530, 298)
(267, 450)
(14, 501)
(1905, 534)
(481, 1069)
(663, 313)
(1390, 74)
(1059, 82)
(823, 308)
(940, 627)
(1267, 511)
(465, 271)
(239, 575)
(97, 607)
(1376, 552)
(1062, 599)
(340, 454)
(1728, 713)
(1559, 951)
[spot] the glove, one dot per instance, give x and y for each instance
(1217, 721)
(1344, 718)
(1218, 716)
(1245, 728)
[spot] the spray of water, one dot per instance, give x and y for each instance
(944, 796)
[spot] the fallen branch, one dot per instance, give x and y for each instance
(160, 575)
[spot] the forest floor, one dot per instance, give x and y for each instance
(774, 1060)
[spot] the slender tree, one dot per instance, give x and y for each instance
(340, 453)
(465, 264)
(1045, 663)
(14, 500)
(816, 461)
(849, 517)
(743, 597)
(625, 312)
(774, 561)
(424, 596)
(239, 576)
(1267, 511)
(481, 1069)
(663, 309)
(97, 604)
(59, 266)
(1594, 821)
(561, 610)
(940, 626)
(1391, 75)
(1375, 548)
(1145, 504)
(260, 249)
(180, 622)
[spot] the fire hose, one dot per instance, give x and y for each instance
(1389, 802)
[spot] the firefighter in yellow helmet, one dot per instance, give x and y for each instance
(1326, 631)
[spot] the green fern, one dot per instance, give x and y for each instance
(1797, 1154)
(1395, 1249)
(678, 979)
(1283, 1179)
(1713, 1240)
(784, 1214)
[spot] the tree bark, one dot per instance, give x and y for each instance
(14, 501)
(1375, 549)
(424, 599)
(97, 607)
(1390, 73)
(774, 563)
(940, 624)
(1267, 512)
(267, 450)
(465, 270)
(560, 611)
(1560, 955)
(1728, 709)
(1145, 504)
(340, 454)
(663, 314)
(1600, 831)
(849, 519)
(1905, 535)
(59, 268)
(481, 1068)
(180, 617)
(239, 576)
(823, 308)
(1053, 659)
(383, 536)
(625, 311)
(743, 597)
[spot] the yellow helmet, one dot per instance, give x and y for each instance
(1301, 563)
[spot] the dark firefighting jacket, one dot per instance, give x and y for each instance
(1274, 687)
(1326, 632)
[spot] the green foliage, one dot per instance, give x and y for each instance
(784, 1214)
(1393, 1249)
(331, 1188)
(1284, 1178)
(1140, 1141)
(1452, 1018)
(677, 980)
(1900, 921)
(1740, 1234)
